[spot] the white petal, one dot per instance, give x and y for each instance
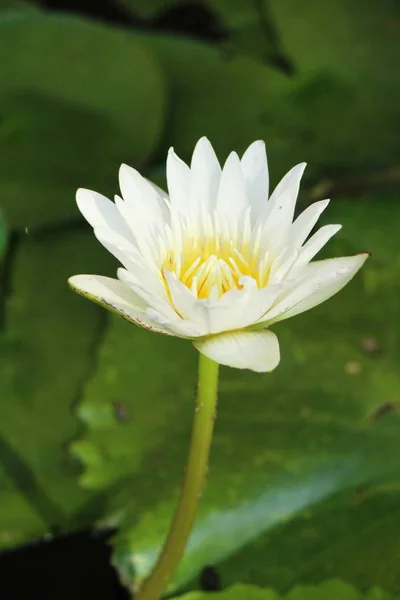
(123, 249)
(144, 230)
(205, 174)
(232, 196)
(178, 178)
(139, 275)
(117, 297)
(163, 194)
(280, 208)
(137, 269)
(255, 170)
(159, 303)
(315, 244)
(161, 312)
(255, 350)
(282, 265)
(99, 211)
(238, 309)
(185, 304)
(147, 206)
(304, 223)
(321, 280)
(186, 329)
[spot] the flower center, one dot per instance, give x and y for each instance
(211, 266)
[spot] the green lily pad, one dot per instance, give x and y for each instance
(285, 443)
(149, 8)
(350, 535)
(12, 5)
(47, 349)
(236, 592)
(355, 45)
(3, 235)
(206, 99)
(329, 590)
(251, 30)
(318, 116)
(246, 23)
(76, 100)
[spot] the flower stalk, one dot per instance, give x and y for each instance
(195, 474)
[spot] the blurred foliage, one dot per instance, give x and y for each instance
(329, 590)
(304, 482)
(46, 352)
(147, 9)
(3, 235)
(14, 5)
(60, 123)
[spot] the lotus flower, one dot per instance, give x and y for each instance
(215, 261)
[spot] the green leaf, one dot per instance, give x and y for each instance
(3, 235)
(354, 45)
(236, 99)
(328, 590)
(236, 592)
(150, 8)
(246, 23)
(13, 5)
(251, 30)
(285, 443)
(47, 349)
(76, 100)
(230, 99)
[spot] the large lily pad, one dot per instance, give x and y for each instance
(3, 235)
(250, 29)
(12, 5)
(354, 45)
(329, 590)
(318, 116)
(76, 100)
(246, 24)
(284, 442)
(207, 99)
(151, 8)
(47, 348)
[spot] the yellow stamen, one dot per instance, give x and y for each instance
(214, 260)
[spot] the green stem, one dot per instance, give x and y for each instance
(196, 470)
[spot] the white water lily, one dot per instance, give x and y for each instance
(215, 261)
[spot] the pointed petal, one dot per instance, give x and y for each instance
(99, 211)
(141, 196)
(117, 297)
(185, 304)
(280, 208)
(255, 170)
(162, 193)
(232, 196)
(321, 280)
(255, 350)
(305, 222)
(238, 309)
(315, 244)
(139, 275)
(159, 303)
(124, 250)
(143, 229)
(205, 174)
(178, 178)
